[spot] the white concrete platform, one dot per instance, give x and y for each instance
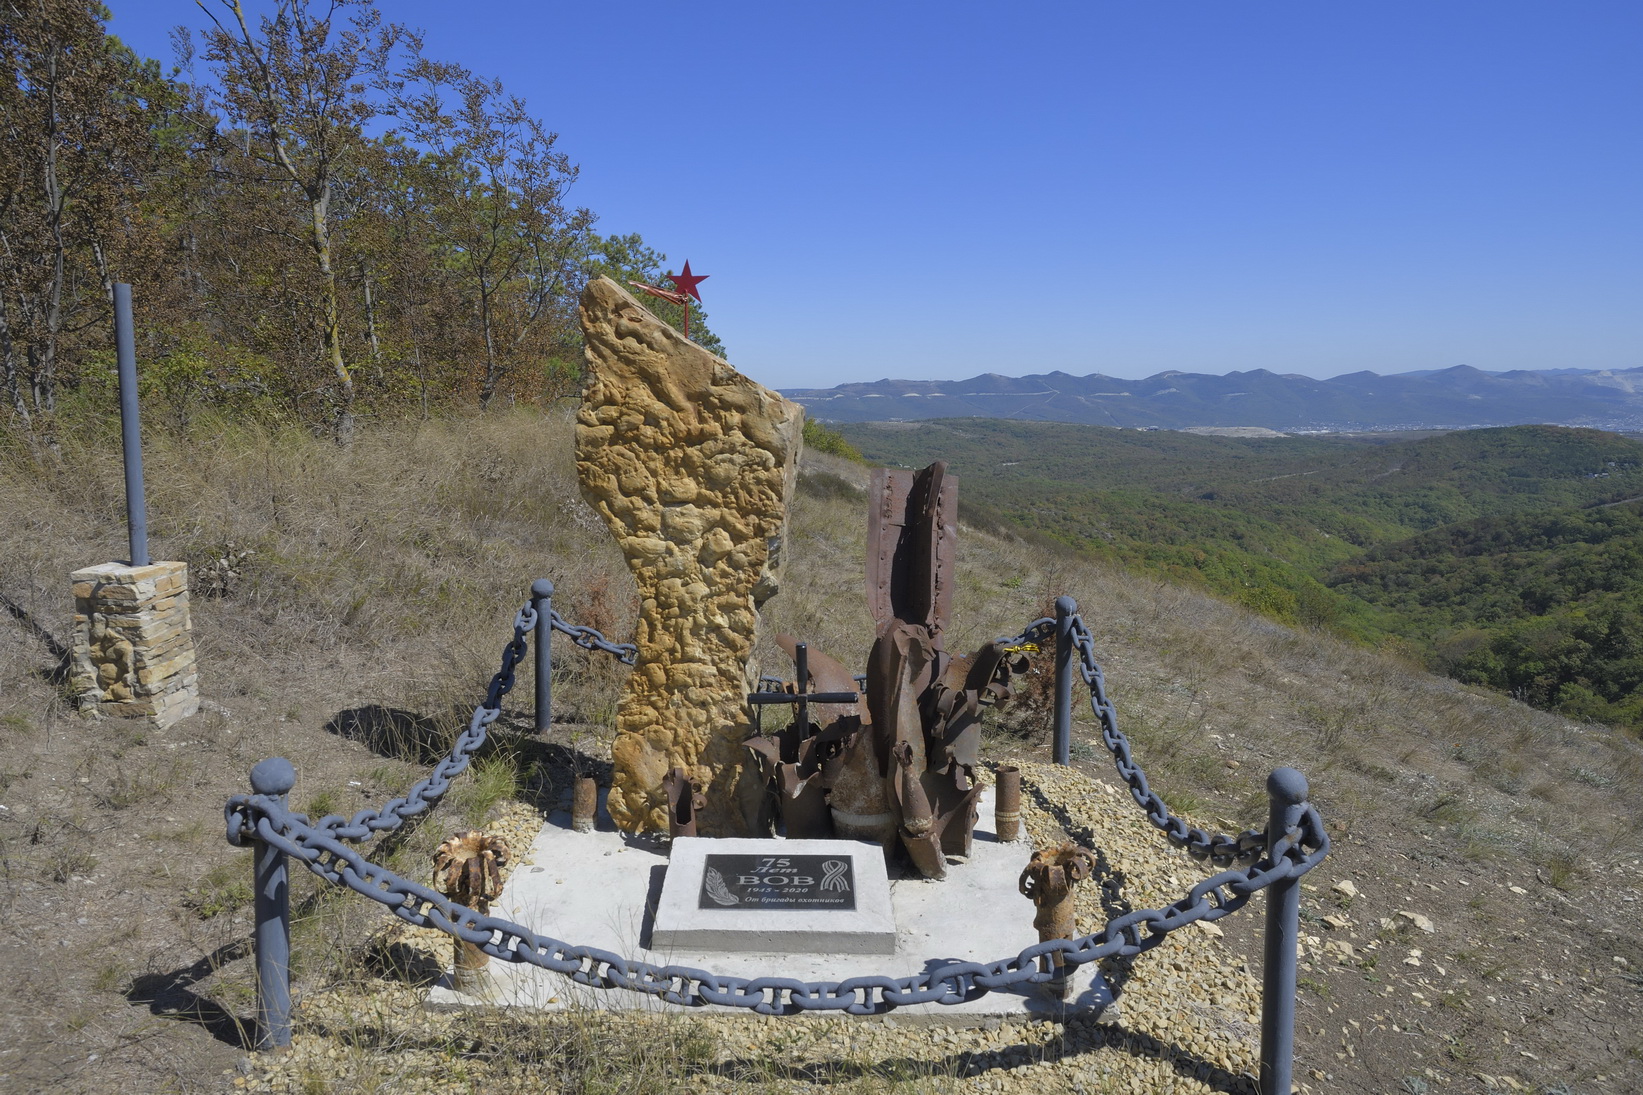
(601, 889)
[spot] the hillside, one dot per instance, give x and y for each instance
(350, 604)
(1542, 605)
(1456, 398)
(1308, 529)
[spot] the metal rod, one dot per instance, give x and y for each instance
(542, 601)
(1065, 609)
(272, 908)
(125, 353)
(801, 662)
(1286, 790)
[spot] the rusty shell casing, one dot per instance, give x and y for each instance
(1007, 803)
(584, 803)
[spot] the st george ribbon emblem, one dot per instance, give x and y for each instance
(833, 872)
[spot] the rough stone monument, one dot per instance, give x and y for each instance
(691, 465)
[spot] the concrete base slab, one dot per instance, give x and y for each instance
(778, 897)
(601, 889)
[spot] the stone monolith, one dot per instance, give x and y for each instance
(691, 464)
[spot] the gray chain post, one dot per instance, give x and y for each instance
(1065, 609)
(125, 354)
(274, 777)
(1286, 790)
(542, 601)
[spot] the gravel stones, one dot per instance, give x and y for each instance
(1187, 1018)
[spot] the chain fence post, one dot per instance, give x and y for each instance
(542, 601)
(131, 438)
(1286, 789)
(1065, 609)
(274, 777)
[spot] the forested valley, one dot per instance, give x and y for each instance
(1507, 557)
(320, 221)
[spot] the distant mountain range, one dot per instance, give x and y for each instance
(1460, 397)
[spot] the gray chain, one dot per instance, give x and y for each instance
(320, 847)
(589, 639)
(1218, 848)
(261, 817)
(426, 794)
(1038, 633)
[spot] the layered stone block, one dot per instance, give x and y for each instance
(134, 642)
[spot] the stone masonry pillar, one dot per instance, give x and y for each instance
(134, 642)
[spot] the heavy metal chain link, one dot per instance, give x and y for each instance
(589, 639)
(320, 847)
(1218, 848)
(426, 794)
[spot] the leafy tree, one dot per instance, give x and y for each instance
(296, 95)
(71, 162)
(499, 213)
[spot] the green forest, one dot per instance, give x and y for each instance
(319, 220)
(1504, 557)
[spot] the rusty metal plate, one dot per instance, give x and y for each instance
(912, 542)
(886, 517)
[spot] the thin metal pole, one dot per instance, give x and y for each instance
(1286, 790)
(125, 353)
(542, 601)
(272, 908)
(1065, 609)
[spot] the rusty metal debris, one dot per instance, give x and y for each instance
(1007, 803)
(684, 800)
(898, 763)
(1048, 881)
(468, 870)
(584, 804)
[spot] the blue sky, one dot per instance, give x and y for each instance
(935, 190)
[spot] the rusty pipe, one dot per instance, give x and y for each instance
(584, 803)
(1007, 803)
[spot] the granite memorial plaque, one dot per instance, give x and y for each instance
(775, 896)
(801, 882)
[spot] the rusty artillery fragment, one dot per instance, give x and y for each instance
(901, 765)
(1048, 881)
(1007, 803)
(796, 761)
(584, 804)
(468, 870)
(684, 801)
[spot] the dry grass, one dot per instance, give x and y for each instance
(370, 590)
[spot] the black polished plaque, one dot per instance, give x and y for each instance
(797, 882)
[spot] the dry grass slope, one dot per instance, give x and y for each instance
(350, 605)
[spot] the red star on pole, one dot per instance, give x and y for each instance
(687, 282)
